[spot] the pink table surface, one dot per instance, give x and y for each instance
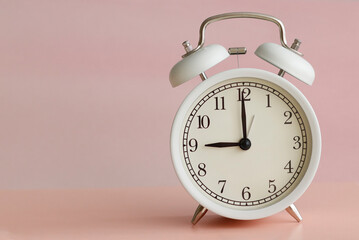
(330, 211)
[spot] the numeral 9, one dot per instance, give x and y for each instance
(193, 144)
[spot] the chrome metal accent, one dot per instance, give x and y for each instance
(187, 46)
(198, 214)
(237, 50)
(295, 45)
(281, 72)
(293, 211)
(203, 76)
(254, 15)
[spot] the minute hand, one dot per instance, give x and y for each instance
(222, 144)
(244, 118)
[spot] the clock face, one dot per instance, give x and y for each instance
(264, 171)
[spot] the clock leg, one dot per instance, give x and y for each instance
(293, 211)
(198, 214)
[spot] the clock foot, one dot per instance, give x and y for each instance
(198, 214)
(293, 211)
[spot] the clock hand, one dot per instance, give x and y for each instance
(250, 126)
(222, 144)
(244, 143)
(244, 118)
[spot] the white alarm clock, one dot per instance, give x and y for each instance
(245, 143)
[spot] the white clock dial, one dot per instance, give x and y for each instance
(279, 133)
(214, 160)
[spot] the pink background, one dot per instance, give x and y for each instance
(85, 100)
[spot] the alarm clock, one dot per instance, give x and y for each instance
(245, 143)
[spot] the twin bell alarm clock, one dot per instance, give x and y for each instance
(245, 143)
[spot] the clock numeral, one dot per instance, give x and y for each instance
(288, 115)
(289, 166)
(224, 184)
(244, 94)
(297, 143)
(219, 103)
(245, 193)
(193, 144)
(268, 101)
(203, 122)
(202, 170)
(272, 187)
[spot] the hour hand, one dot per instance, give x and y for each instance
(222, 144)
